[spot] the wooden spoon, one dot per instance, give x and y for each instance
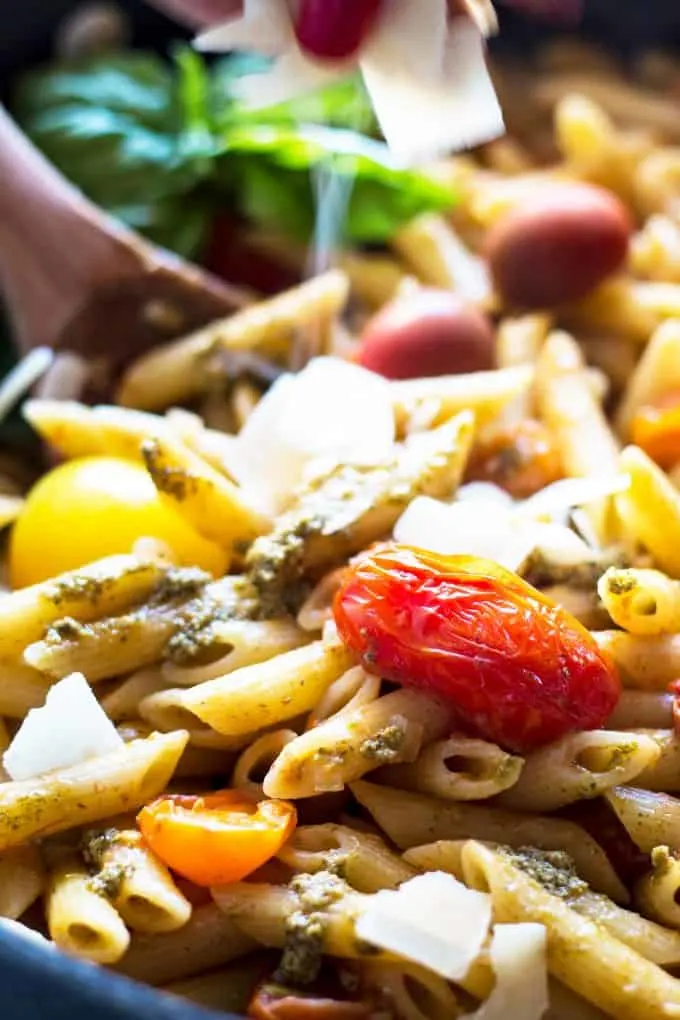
(76, 280)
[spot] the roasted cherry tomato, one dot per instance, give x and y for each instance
(93, 507)
(518, 669)
(266, 1004)
(335, 29)
(521, 458)
(656, 429)
(220, 838)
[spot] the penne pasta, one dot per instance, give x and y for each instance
(645, 663)
(657, 893)
(352, 690)
(134, 881)
(254, 697)
(651, 940)
(348, 745)
(655, 374)
(75, 430)
(642, 710)
(486, 394)
(208, 500)
(122, 702)
(651, 819)
(650, 509)
(99, 589)
(414, 992)
(410, 819)
(458, 768)
(208, 940)
(566, 404)
(21, 689)
(363, 858)
(577, 767)
(642, 602)
(664, 773)
(97, 788)
(253, 763)
(182, 370)
(430, 246)
(80, 921)
(581, 953)
(22, 880)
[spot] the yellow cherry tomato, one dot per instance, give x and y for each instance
(93, 507)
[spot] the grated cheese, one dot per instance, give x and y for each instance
(425, 73)
(70, 728)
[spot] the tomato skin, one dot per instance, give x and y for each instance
(218, 838)
(519, 670)
(656, 430)
(521, 459)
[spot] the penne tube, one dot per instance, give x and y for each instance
(566, 404)
(664, 773)
(105, 648)
(413, 992)
(651, 819)
(99, 589)
(249, 642)
(374, 279)
(657, 893)
(122, 702)
(656, 373)
(22, 880)
(458, 768)
(486, 394)
(411, 819)
(228, 989)
(642, 710)
(581, 952)
(208, 940)
(80, 921)
(642, 602)
(175, 373)
(212, 504)
(21, 689)
(76, 430)
(645, 663)
(429, 245)
(253, 763)
(255, 697)
(363, 858)
(135, 881)
(650, 509)
(317, 608)
(577, 767)
(121, 780)
(352, 690)
(651, 940)
(345, 747)
(519, 341)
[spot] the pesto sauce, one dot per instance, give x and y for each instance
(306, 927)
(175, 482)
(384, 747)
(553, 869)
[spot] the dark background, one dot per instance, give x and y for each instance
(37, 984)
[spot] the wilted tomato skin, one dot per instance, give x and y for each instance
(518, 669)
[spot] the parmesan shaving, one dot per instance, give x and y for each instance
(557, 499)
(425, 73)
(518, 957)
(331, 411)
(70, 728)
(433, 920)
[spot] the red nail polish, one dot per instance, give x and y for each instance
(335, 29)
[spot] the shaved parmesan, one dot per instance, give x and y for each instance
(558, 499)
(70, 728)
(518, 957)
(426, 74)
(331, 411)
(433, 920)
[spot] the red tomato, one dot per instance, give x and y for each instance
(232, 258)
(518, 669)
(431, 332)
(335, 29)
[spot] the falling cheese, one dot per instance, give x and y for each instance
(518, 957)
(433, 920)
(70, 728)
(331, 411)
(425, 73)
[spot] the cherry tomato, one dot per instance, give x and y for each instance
(267, 1005)
(220, 838)
(335, 29)
(431, 332)
(558, 245)
(656, 430)
(93, 507)
(521, 458)
(233, 258)
(519, 670)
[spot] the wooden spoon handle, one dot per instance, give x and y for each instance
(55, 245)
